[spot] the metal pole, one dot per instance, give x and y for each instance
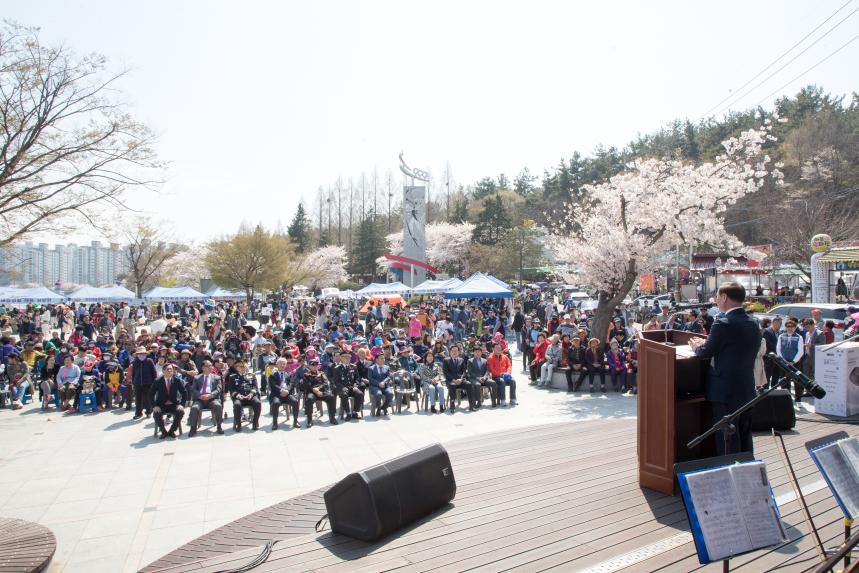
(782, 450)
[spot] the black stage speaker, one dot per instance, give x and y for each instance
(379, 500)
(775, 412)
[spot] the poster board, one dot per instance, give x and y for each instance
(836, 370)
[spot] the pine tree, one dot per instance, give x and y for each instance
(460, 211)
(368, 246)
(484, 188)
(492, 223)
(299, 229)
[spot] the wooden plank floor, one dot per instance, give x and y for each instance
(562, 497)
(25, 547)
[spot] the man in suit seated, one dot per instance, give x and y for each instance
(168, 395)
(381, 388)
(242, 386)
(282, 390)
(454, 370)
(206, 395)
(732, 348)
(476, 374)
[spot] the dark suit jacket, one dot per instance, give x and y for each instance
(274, 385)
(160, 395)
(733, 346)
(475, 369)
(453, 368)
(215, 387)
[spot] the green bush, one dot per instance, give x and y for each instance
(756, 307)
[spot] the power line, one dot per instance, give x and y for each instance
(787, 63)
(775, 61)
(850, 41)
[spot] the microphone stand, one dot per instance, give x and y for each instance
(726, 424)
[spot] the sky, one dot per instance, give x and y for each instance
(258, 104)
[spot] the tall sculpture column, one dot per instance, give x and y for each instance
(414, 223)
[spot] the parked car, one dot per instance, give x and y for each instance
(646, 301)
(580, 300)
(834, 312)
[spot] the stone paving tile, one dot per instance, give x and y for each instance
(87, 476)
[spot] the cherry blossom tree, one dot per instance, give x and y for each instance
(328, 266)
(186, 268)
(626, 222)
(447, 244)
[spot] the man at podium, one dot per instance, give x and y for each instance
(732, 349)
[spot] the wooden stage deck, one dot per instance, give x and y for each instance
(25, 547)
(561, 497)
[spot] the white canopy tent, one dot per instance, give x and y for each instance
(436, 287)
(219, 293)
(173, 294)
(102, 294)
(380, 289)
(41, 295)
(332, 292)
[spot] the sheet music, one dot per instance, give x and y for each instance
(850, 448)
(759, 512)
(837, 460)
(718, 513)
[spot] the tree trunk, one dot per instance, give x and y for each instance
(608, 301)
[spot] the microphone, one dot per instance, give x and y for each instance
(796, 375)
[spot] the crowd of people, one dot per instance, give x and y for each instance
(159, 361)
(164, 359)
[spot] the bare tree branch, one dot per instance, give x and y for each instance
(66, 144)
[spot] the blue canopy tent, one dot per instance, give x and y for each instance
(173, 294)
(102, 294)
(479, 285)
(499, 282)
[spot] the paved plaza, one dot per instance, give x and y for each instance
(117, 498)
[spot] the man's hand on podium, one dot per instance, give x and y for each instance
(695, 342)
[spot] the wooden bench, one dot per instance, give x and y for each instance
(25, 547)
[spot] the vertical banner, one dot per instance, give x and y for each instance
(414, 224)
(647, 283)
(819, 280)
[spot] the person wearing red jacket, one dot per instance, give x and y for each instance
(539, 356)
(499, 368)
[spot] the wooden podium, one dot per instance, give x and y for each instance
(671, 408)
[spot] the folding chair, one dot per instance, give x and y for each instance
(404, 390)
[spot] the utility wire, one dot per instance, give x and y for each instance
(775, 61)
(787, 63)
(850, 41)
